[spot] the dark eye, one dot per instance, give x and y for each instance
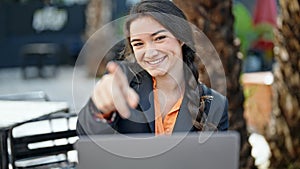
(137, 44)
(160, 37)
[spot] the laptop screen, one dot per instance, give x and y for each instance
(179, 151)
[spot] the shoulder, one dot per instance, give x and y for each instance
(216, 108)
(216, 103)
(211, 92)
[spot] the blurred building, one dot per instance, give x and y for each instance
(61, 22)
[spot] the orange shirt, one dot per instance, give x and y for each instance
(166, 125)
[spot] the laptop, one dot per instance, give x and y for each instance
(207, 150)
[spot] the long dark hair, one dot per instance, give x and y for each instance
(172, 18)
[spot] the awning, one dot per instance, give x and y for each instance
(265, 11)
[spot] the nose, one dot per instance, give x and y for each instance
(151, 51)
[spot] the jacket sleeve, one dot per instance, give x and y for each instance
(87, 124)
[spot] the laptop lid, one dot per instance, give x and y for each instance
(205, 150)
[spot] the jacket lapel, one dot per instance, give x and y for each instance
(147, 106)
(184, 119)
(144, 88)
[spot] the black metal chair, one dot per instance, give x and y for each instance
(45, 147)
(38, 54)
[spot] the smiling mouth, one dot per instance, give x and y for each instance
(157, 61)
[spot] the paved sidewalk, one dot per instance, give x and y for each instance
(62, 87)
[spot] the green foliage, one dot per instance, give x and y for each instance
(246, 31)
(243, 26)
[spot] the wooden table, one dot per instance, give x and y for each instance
(16, 112)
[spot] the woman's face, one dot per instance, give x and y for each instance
(155, 48)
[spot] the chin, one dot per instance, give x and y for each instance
(157, 73)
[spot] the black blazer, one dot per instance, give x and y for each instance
(142, 118)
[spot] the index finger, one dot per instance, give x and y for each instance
(120, 91)
(115, 69)
(129, 94)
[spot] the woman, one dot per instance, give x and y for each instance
(159, 92)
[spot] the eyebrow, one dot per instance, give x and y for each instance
(153, 34)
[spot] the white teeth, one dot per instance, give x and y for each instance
(155, 61)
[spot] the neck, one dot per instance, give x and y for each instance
(170, 83)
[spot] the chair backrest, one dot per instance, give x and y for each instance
(40, 139)
(29, 96)
(45, 144)
(40, 48)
